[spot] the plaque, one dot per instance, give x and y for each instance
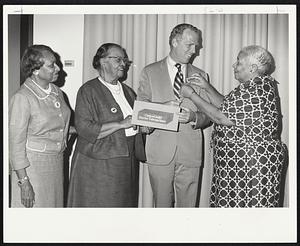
(155, 115)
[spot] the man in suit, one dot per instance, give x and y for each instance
(174, 158)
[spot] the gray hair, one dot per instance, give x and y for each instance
(261, 57)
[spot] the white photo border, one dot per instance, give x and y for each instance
(147, 224)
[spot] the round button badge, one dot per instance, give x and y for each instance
(57, 104)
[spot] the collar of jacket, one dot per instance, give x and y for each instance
(40, 94)
(127, 95)
(188, 68)
(126, 89)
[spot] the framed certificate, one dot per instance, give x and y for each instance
(155, 115)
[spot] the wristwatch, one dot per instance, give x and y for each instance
(23, 180)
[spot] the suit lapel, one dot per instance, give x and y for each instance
(166, 89)
(188, 71)
(165, 76)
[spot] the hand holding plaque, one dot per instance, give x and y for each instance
(127, 122)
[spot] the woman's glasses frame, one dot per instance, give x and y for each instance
(119, 59)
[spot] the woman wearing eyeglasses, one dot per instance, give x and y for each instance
(105, 168)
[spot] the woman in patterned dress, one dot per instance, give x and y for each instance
(247, 151)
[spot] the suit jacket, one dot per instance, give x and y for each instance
(95, 106)
(161, 145)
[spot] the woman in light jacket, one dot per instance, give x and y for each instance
(38, 130)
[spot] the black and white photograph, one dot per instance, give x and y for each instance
(149, 123)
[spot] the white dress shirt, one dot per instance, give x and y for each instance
(173, 70)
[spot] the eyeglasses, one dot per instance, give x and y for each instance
(119, 59)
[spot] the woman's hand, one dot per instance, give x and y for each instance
(27, 194)
(186, 91)
(126, 123)
(198, 80)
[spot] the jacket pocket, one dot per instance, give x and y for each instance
(35, 146)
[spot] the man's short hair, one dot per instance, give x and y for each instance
(178, 31)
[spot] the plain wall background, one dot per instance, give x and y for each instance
(64, 34)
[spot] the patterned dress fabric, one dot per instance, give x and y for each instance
(248, 157)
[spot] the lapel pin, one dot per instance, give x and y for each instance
(113, 110)
(57, 104)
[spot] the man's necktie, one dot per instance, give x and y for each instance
(178, 81)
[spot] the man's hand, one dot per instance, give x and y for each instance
(172, 103)
(186, 115)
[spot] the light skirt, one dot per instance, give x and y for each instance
(46, 176)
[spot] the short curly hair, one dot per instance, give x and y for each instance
(32, 58)
(178, 31)
(261, 57)
(103, 52)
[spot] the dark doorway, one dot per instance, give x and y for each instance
(20, 36)
(26, 36)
